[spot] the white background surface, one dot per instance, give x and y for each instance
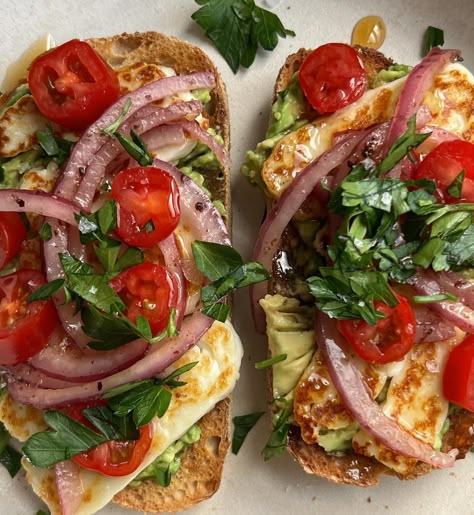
(249, 485)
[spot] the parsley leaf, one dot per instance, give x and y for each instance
(136, 147)
(271, 361)
(47, 448)
(146, 399)
(351, 295)
(237, 27)
(54, 146)
(242, 426)
(227, 271)
(46, 291)
(92, 287)
(9, 457)
(45, 232)
(433, 37)
(276, 444)
(402, 146)
(455, 188)
(215, 260)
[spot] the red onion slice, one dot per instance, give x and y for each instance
(64, 360)
(39, 202)
(158, 358)
(141, 122)
(28, 374)
(198, 213)
(69, 486)
(427, 283)
(416, 85)
(430, 327)
(289, 203)
(458, 285)
(363, 408)
(172, 258)
(93, 139)
(199, 133)
(164, 135)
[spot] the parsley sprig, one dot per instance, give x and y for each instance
(130, 406)
(389, 227)
(238, 27)
(225, 267)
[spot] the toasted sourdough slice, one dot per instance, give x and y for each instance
(350, 467)
(200, 473)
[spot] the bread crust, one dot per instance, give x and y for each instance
(200, 473)
(352, 468)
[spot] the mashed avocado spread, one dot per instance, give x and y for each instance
(168, 463)
(287, 113)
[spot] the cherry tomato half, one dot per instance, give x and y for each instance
(12, 234)
(148, 290)
(72, 85)
(144, 195)
(458, 378)
(444, 163)
(332, 77)
(25, 327)
(389, 340)
(114, 458)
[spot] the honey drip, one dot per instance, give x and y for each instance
(369, 31)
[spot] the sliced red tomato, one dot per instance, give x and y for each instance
(332, 77)
(444, 163)
(148, 205)
(458, 377)
(148, 290)
(72, 85)
(389, 340)
(12, 235)
(114, 458)
(25, 327)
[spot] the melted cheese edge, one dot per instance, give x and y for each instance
(449, 101)
(219, 354)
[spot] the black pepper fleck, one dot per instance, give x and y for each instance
(99, 386)
(199, 206)
(20, 203)
(82, 170)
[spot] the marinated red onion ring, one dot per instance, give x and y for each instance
(69, 486)
(426, 282)
(416, 85)
(158, 358)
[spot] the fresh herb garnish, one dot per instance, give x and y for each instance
(68, 439)
(146, 399)
(111, 129)
(276, 444)
(351, 295)
(428, 299)
(136, 147)
(402, 146)
(224, 266)
(433, 37)
(242, 426)
(237, 27)
(9, 457)
(46, 291)
(270, 362)
(455, 188)
(54, 146)
(45, 232)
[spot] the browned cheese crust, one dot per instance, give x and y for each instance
(200, 473)
(352, 468)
